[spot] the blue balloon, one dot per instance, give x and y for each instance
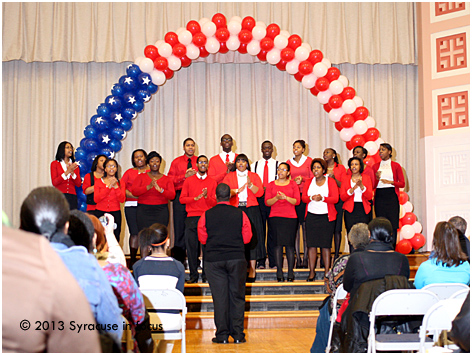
(80, 194)
(128, 83)
(115, 145)
(117, 90)
(118, 133)
(91, 145)
(83, 206)
(133, 70)
(144, 80)
(152, 88)
(103, 110)
(99, 122)
(80, 153)
(91, 157)
(138, 106)
(144, 95)
(84, 168)
(129, 113)
(113, 102)
(104, 139)
(129, 99)
(83, 141)
(90, 132)
(126, 124)
(108, 152)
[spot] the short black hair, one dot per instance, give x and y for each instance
(301, 142)
(387, 146)
(286, 164)
(320, 161)
(202, 156)
(381, 230)
(188, 139)
(361, 163)
(81, 229)
(266, 142)
(132, 156)
(226, 134)
(117, 175)
(153, 154)
(60, 153)
(366, 153)
(223, 192)
(244, 157)
(95, 162)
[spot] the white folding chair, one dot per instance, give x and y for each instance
(460, 295)
(393, 303)
(439, 317)
(340, 294)
(166, 326)
(444, 290)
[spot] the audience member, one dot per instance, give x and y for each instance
(461, 226)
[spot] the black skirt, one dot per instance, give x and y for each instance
(285, 230)
(72, 201)
(339, 216)
(319, 230)
(357, 215)
(387, 205)
(253, 252)
(150, 214)
(301, 210)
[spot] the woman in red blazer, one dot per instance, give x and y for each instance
(320, 193)
(388, 181)
(246, 187)
(356, 192)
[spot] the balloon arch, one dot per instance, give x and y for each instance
(287, 52)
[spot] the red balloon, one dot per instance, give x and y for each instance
(322, 84)
(199, 39)
(169, 73)
(332, 74)
(400, 225)
(223, 48)
(369, 161)
(357, 140)
(222, 34)
(151, 52)
(267, 44)
(314, 90)
(245, 36)
(186, 61)
(361, 113)
(281, 65)
(403, 246)
(348, 93)
(327, 107)
(273, 30)
(335, 101)
(248, 23)
(242, 48)
(408, 218)
(203, 52)
(403, 198)
(338, 126)
(287, 54)
(372, 134)
(376, 158)
(160, 63)
(417, 241)
(179, 50)
(298, 76)
(315, 56)
(294, 41)
(219, 20)
(171, 38)
(262, 56)
(194, 27)
(349, 145)
(305, 67)
(347, 121)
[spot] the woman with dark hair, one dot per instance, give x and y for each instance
(337, 172)
(300, 172)
(109, 193)
(447, 262)
(320, 194)
(45, 212)
(356, 192)
(246, 187)
(282, 195)
(388, 182)
(154, 191)
(65, 173)
(96, 173)
(138, 160)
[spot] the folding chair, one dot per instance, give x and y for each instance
(444, 290)
(460, 295)
(340, 294)
(398, 302)
(439, 317)
(166, 326)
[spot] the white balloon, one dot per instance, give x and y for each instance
(309, 81)
(165, 50)
(158, 77)
(360, 127)
(346, 134)
(284, 33)
(233, 43)
(203, 20)
(379, 141)
(323, 96)
(237, 19)
(292, 66)
(319, 69)
(280, 42)
(212, 45)
(359, 102)
(407, 231)
(301, 53)
(146, 65)
(138, 60)
(370, 122)
(408, 206)
(335, 114)
(261, 24)
(326, 62)
(418, 227)
(258, 32)
(174, 63)
(371, 147)
(193, 52)
(343, 80)
(273, 56)
(209, 29)
(234, 27)
(158, 43)
(254, 47)
(185, 37)
(349, 106)
(307, 46)
(179, 30)
(336, 87)
(402, 213)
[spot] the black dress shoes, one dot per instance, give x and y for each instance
(290, 279)
(204, 280)
(280, 279)
(192, 281)
(220, 341)
(239, 341)
(250, 279)
(310, 279)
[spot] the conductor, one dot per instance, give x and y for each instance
(225, 264)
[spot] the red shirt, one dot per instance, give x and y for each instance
(128, 179)
(108, 200)
(339, 171)
(331, 200)
(349, 199)
(232, 181)
(304, 171)
(152, 196)
(283, 208)
(398, 178)
(246, 231)
(193, 187)
(217, 168)
(85, 185)
(178, 168)
(368, 172)
(61, 182)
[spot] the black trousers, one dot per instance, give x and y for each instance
(227, 281)
(179, 216)
(193, 246)
(270, 251)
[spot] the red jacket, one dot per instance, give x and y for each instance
(398, 178)
(232, 180)
(349, 199)
(367, 171)
(178, 168)
(217, 168)
(331, 200)
(193, 187)
(60, 182)
(108, 200)
(152, 196)
(339, 172)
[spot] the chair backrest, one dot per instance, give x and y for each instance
(163, 299)
(403, 302)
(445, 290)
(340, 294)
(460, 295)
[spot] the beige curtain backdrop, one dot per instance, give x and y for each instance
(348, 32)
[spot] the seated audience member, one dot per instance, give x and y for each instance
(358, 238)
(461, 226)
(45, 212)
(38, 286)
(447, 262)
(460, 332)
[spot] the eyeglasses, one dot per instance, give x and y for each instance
(227, 139)
(202, 162)
(111, 166)
(279, 169)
